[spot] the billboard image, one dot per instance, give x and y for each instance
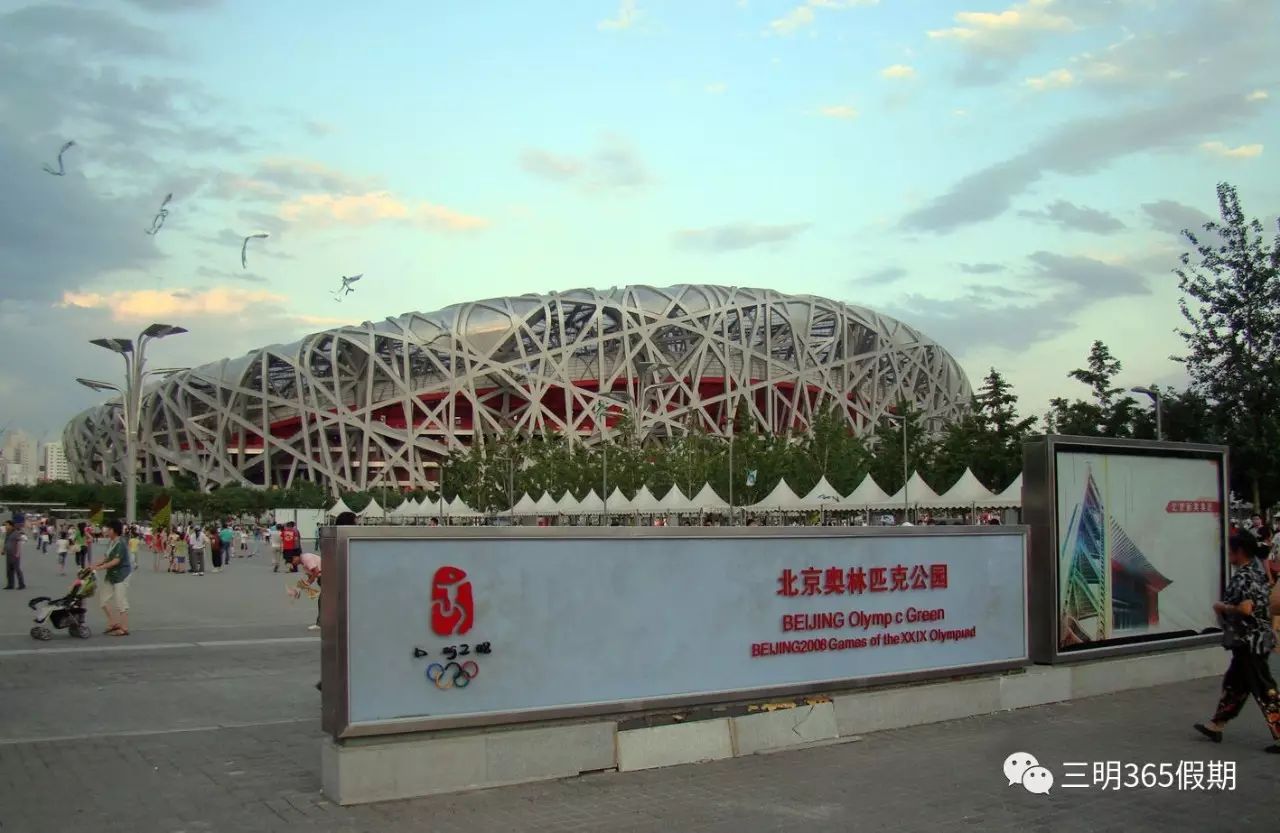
(467, 627)
(1139, 544)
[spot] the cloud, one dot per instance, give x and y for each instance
(230, 275)
(613, 166)
(1082, 146)
(176, 5)
(1090, 276)
(992, 42)
(57, 233)
(1077, 217)
(1225, 39)
(881, 277)
(142, 304)
(375, 207)
(736, 236)
(1238, 152)
(1061, 286)
(803, 14)
(716, 88)
(1053, 80)
(981, 268)
(85, 31)
(627, 17)
(1257, 95)
(278, 178)
(1173, 217)
(839, 111)
(898, 71)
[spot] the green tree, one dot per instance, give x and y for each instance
(1231, 303)
(1108, 414)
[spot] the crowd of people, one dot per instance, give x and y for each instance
(180, 549)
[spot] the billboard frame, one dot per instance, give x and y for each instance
(334, 547)
(1040, 513)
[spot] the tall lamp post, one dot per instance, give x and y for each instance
(1154, 393)
(134, 352)
(906, 474)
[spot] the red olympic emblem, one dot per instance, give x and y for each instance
(452, 605)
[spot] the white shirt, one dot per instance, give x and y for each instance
(196, 540)
(275, 536)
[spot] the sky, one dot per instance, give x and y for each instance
(1009, 177)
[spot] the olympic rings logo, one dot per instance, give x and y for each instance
(452, 675)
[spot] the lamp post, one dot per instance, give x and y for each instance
(134, 352)
(1154, 393)
(906, 475)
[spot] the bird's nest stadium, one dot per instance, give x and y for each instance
(381, 404)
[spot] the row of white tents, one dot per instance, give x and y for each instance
(967, 494)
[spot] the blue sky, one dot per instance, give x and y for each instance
(1007, 176)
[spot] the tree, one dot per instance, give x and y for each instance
(1231, 303)
(1106, 415)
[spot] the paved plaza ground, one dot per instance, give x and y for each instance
(206, 719)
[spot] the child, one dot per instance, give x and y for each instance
(63, 546)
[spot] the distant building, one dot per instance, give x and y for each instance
(21, 466)
(55, 462)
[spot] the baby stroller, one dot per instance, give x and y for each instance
(66, 613)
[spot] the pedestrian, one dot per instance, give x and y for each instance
(118, 566)
(13, 557)
(196, 541)
(80, 543)
(308, 563)
(1248, 634)
(228, 538)
(291, 542)
(215, 548)
(64, 546)
(277, 548)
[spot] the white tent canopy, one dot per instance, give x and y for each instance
(867, 494)
(568, 504)
(591, 504)
(525, 505)
(408, 508)
(618, 502)
(823, 494)
(675, 501)
(373, 510)
(1010, 498)
(427, 507)
(781, 499)
(338, 508)
(458, 508)
(967, 491)
(644, 501)
(707, 500)
(546, 505)
(918, 493)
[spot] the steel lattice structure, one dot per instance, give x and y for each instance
(380, 404)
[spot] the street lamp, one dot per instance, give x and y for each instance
(1154, 393)
(135, 361)
(906, 476)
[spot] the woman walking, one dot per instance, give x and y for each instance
(1247, 633)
